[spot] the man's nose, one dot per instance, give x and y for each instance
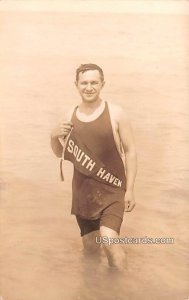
(89, 87)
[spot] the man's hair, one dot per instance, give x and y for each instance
(86, 67)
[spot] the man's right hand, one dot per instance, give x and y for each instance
(61, 130)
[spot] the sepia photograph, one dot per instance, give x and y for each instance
(94, 143)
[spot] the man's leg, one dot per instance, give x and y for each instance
(114, 252)
(89, 233)
(89, 242)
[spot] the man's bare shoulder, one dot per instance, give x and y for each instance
(118, 112)
(70, 113)
(67, 113)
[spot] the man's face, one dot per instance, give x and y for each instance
(89, 85)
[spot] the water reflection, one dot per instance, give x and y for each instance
(99, 281)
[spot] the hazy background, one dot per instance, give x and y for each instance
(143, 50)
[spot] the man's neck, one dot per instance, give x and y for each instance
(90, 107)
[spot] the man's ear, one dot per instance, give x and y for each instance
(103, 83)
(76, 83)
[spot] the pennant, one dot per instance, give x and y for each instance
(87, 163)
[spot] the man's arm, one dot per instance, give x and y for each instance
(56, 146)
(127, 139)
(60, 131)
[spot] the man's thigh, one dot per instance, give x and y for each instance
(89, 232)
(114, 250)
(90, 241)
(89, 228)
(111, 222)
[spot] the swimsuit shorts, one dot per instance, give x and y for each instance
(107, 219)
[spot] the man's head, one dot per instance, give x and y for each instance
(88, 67)
(89, 82)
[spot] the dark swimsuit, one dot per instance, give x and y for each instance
(98, 185)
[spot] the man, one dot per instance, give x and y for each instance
(97, 139)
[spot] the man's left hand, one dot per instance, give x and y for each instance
(129, 201)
